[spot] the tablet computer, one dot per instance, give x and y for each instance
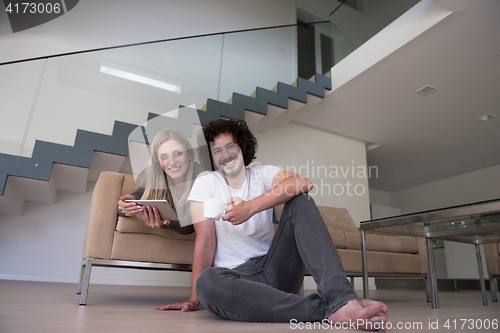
(166, 211)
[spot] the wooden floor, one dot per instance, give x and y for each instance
(53, 307)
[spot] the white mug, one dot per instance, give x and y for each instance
(213, 208)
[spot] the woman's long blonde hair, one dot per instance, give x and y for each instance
(157, 182)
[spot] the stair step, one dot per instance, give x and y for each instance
(277, 113)
(70, 178)
(287, 100)
(292, 114)
(11, 202)
(63, 177)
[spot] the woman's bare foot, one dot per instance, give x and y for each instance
(365, 314)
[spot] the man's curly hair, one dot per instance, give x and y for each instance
(241, 134)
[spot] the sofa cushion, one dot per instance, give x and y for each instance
(382, 263)
(337, 235)
(382, 242)
(277, 211)
(338, 217)
(332, 223)
(151, 248)
(135, 226)
(345, 233)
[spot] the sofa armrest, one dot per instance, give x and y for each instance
(492, 263)
(422, 252)
(103, 216)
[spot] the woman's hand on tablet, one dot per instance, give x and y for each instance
(129, 208)
(152, 218)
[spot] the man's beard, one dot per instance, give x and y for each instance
(232, 172)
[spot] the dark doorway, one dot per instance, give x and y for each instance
(305, 50)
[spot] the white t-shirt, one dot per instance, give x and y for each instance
(236, 244)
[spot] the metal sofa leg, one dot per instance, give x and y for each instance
(427, 288)
(85, 281)
(80, 282)
(494, 288)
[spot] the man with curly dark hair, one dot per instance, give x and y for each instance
(242, 136)
(258, 272)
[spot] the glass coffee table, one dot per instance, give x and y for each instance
(477, 223)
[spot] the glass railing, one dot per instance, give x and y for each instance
(49, 99)
(356, 21)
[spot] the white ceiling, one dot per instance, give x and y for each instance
(425, 138)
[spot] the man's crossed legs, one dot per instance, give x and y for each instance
(265, 288)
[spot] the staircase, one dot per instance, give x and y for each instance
(54, 167)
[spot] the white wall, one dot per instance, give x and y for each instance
(478, 185)
(380, 197)
(381, 211)
(474, 186)
(380, 204)
(44, 243)
(310, 152)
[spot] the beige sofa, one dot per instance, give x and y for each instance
(388, 255)
(492, 253)
(113, 241)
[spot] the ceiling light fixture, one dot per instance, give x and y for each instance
(486, 117)
(141, 79)
(428, 89)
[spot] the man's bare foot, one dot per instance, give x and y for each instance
(367, 302)
(365, 314)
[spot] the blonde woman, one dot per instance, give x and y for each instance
(169, 177)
